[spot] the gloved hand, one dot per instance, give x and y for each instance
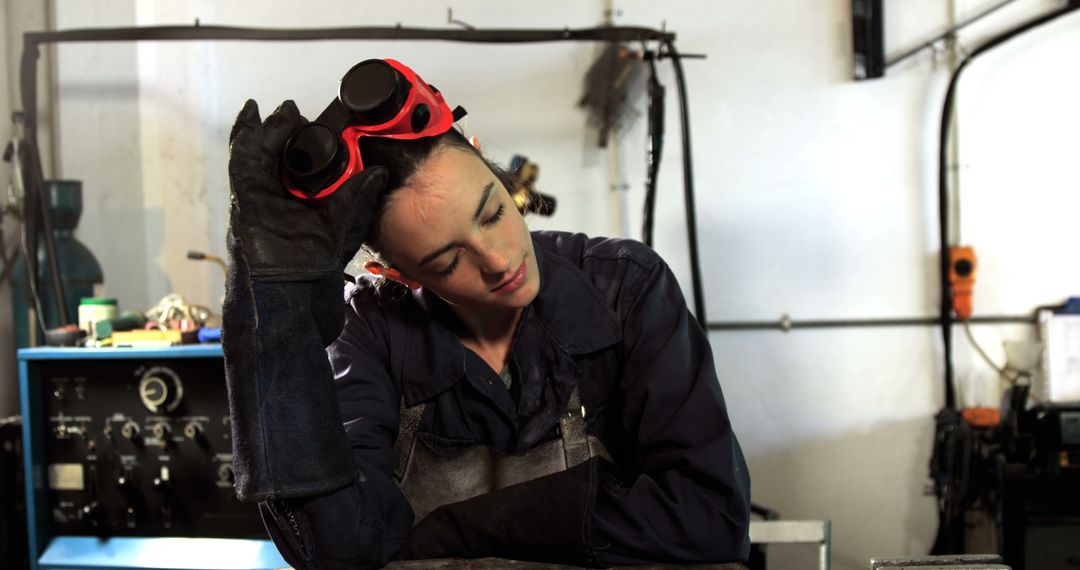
(283, 305)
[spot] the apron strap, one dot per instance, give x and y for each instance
(409, 423)
(572, 427)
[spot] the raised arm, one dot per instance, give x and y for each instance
(283, 306)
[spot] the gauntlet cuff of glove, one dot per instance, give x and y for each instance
(287, 436)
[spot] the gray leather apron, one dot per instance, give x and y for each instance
(430, 481)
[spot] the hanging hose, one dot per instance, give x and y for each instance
(950, 466)
(947, 319)
(688, 185)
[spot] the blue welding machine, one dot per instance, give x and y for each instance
(128, 462)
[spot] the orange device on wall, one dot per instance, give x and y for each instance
(962, 266)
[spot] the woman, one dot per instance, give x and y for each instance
(549, 394)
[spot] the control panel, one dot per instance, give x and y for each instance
(138, 447)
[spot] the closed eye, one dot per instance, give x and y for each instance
(494, 219)
(453, 265)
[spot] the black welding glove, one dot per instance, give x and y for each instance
(283, 305)
(546, 520)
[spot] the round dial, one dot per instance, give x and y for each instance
(160, 389)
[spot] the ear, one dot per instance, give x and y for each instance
(376, 268)
(475, 142)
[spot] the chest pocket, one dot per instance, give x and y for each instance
(430, 481)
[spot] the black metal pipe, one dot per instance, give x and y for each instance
(947, 33)
(28, 77)
(787, 324)
(199, 32)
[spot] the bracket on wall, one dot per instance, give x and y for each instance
(868, 38)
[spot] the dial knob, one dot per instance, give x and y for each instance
(130, 430)
(226, 474)
(193, 430)
(160, 389)
(162, 430)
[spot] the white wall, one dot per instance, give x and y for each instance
(817, 195)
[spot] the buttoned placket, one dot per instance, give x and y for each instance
(486, 381)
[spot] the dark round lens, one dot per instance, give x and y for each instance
(373, 91)
(312, 149)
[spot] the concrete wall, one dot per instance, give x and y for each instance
(817, 195)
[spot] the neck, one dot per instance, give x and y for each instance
(486, 328)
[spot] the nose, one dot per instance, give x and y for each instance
(492, 258)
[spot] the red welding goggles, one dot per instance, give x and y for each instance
(377, 98)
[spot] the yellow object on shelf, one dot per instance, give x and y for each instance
(150, 338)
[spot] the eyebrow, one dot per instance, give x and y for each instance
(476, 215)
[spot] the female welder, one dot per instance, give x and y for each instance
(487, 392)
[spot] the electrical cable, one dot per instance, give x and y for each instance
(950, 535)
(688, 184)
(19, 182)
(654, 150)
(51, 256)
(943, 189)
(39, 310)
(1005, 370)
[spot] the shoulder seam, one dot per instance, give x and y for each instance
(622, 254)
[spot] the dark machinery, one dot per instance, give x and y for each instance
(127, 450)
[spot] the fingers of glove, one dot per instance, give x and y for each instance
(245, 140)
(364, 189)
(277, 129)
(357, 201)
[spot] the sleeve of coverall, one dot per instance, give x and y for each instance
(687, 497)
(369, 404)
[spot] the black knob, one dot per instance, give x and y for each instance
(420, 117)
(314, 155)
(373, 91)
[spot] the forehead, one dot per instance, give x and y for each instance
(446, 168)
(435, 204)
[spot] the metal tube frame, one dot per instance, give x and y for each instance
(33, 40)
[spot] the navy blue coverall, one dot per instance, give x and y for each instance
(610, 316)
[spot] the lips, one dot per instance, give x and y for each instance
(513, 283)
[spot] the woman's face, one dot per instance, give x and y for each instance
(453, 228)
